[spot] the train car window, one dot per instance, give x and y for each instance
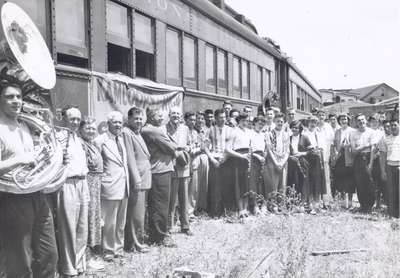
(189, 62)
(144, 33)
(37, 11)
(222, 72)
(259, 85)
(245, 80)
(118, 38)
(144, 64)
(302, 100)
(237, 72)
(118, 59)
(173, 57)
(267, 80)
(298, 89)
(290, 99)
(210, 69)
(118, 31)
(71, 35)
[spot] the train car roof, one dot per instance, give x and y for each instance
(247, 31)
(298, 71)
(218, 15)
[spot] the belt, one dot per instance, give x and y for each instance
(77, 178)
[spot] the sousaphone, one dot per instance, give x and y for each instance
(24, 57)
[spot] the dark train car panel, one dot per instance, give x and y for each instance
(71, 88)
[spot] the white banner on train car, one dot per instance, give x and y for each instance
(115, 92)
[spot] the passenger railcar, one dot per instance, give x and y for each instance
(206, 47)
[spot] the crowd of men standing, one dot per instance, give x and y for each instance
(216, 162)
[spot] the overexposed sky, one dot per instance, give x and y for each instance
(335, 43)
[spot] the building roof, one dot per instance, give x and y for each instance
(364, 91)
(343, 107)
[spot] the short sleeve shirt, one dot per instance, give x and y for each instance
(391, 145)
(14, 141)
(359, 138)
(240, 138)
(258, 141)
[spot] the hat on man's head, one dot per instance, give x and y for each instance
(312, 119)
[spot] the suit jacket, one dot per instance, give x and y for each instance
(161, 148)
(115, 179)
(139, 166)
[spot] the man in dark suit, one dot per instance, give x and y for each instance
(139, 169)
(162, 154)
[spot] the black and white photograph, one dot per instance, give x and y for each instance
(199, 139)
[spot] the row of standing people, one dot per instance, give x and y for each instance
(205, 163)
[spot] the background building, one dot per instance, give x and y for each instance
(370, 94)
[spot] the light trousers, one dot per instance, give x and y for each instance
(198, 186)
(114, 216)
(179, 191)
(134, 229)
(72, 225)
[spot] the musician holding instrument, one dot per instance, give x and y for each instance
(27, 172)
(26, 221)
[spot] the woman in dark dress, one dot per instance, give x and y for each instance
(298, 166)
(95, 165)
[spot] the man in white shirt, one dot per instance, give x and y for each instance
(179, 133)
(73, 205)
(379, 134)
(362, 141)
(390, 166)
(219, 137)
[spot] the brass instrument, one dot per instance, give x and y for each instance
(24, 56)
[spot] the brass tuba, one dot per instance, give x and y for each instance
(24, 56)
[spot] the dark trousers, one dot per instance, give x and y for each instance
(215, 191)
(158, 207)
(364, 183)
(393, 190)
(27, 236)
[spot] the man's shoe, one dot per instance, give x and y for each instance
(95, 264)
(143, 249)
(108, 257)
(118, 256)
(187, 232)
(169, 243)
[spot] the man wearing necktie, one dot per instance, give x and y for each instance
(114, 186)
